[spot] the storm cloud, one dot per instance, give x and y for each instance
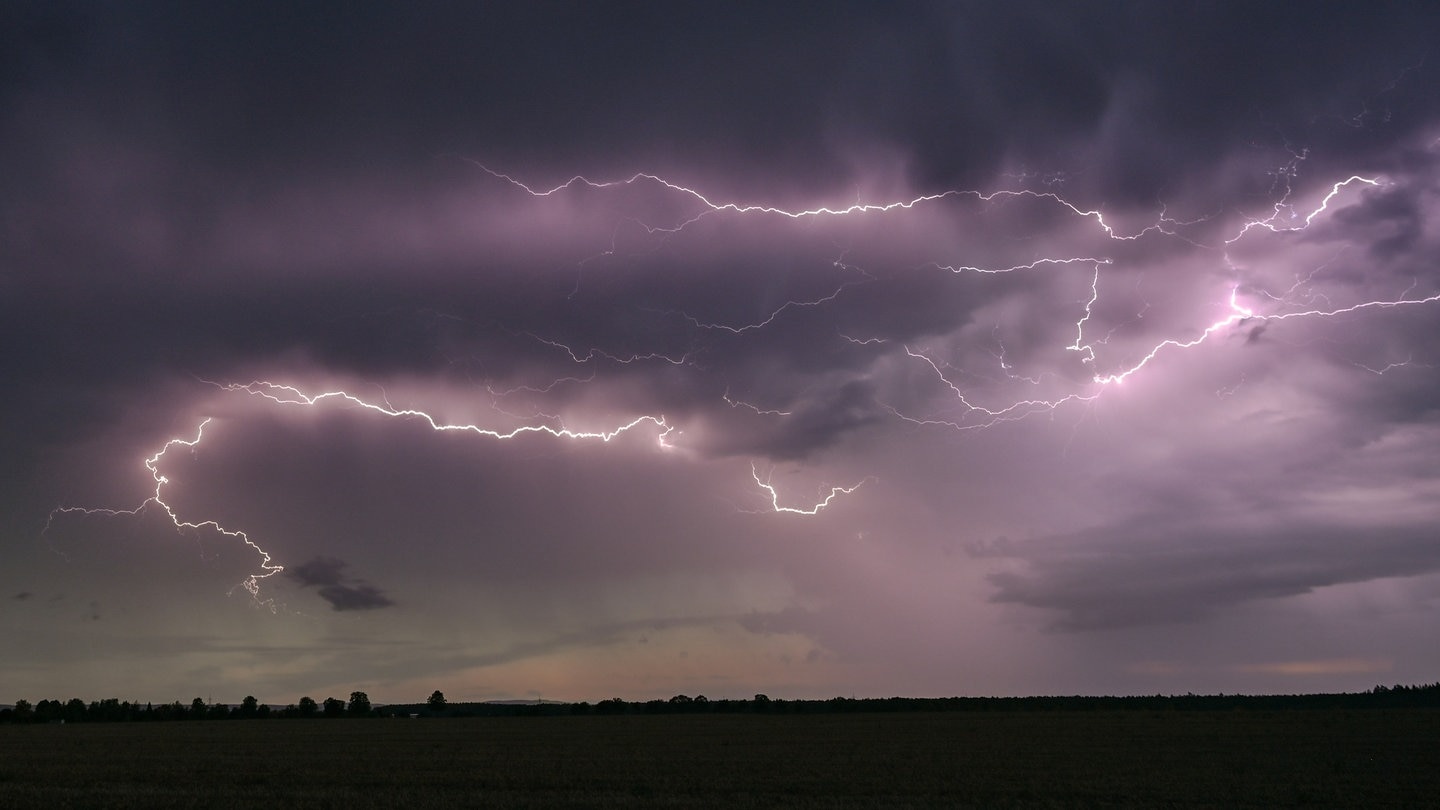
(929, 348)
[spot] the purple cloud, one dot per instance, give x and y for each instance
(755, 360)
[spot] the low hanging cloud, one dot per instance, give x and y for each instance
(1143, 578)
(341, 591)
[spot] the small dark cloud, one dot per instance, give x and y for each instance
(22, 596)
(319, 571)
(341, 591)
(359, 596)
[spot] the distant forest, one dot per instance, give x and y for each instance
(76, 710)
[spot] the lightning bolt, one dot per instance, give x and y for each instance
(835, 492)
(788, 305)
(251, 583)
(592, 354)
(989, 416)
(1161, 224)
(1283, 218)
(735, 403)
(290, 395)
(1270, 222)
(282, 394)
(1239, 314)
(1408, 362)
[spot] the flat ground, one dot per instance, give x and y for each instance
(1371, 758)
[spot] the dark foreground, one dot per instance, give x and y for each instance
(1376, 758)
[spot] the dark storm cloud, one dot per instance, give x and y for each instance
(1139, 574)
(202, 115)
(1393, 221)
(334, 586)
(199, 194)
(821, 421)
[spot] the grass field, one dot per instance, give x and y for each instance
(994, 760)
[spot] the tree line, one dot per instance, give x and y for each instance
(76, 710)
(112, 710)
(1379, 697)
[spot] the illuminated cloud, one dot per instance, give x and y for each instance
(866, 349)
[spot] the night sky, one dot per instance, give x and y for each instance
(590, 350)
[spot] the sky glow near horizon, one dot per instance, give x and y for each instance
(924, 351)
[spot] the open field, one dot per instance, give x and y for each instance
(1375, 758)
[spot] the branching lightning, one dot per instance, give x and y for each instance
(290, 395)
(1282, 219)
(1271, 223)
(251, 583)
(764, 483)
(1162, 223)
(1408, 362)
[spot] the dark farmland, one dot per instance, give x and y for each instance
(1335, 758)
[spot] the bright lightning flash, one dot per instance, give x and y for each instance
(1284, 218)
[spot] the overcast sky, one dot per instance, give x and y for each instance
(591, 350)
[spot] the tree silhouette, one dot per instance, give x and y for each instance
(436, 701)
(308, 707)
(50, 710)
(334, 707)
(359, 704)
